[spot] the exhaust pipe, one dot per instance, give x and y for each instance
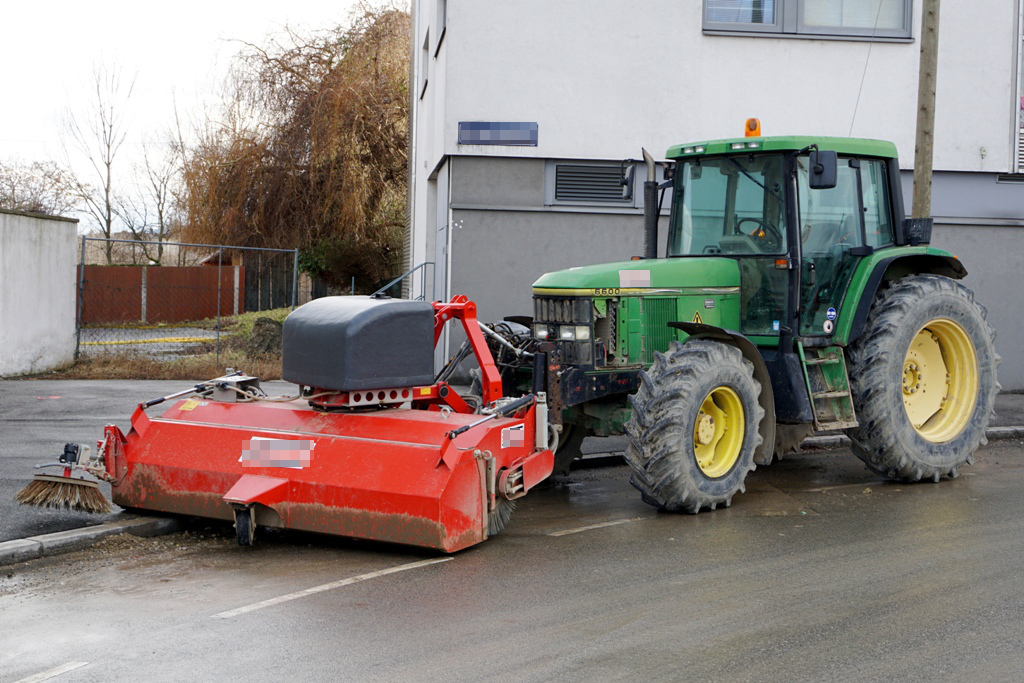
(650, 208)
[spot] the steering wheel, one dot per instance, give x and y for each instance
(765, 231)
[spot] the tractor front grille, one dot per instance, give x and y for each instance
(552, 309)
(657, 314)
(555, 317)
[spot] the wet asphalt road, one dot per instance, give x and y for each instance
(37, 417)
(821, 571)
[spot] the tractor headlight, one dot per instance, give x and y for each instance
(574, 332)
(540, 331)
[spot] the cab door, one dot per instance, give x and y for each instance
(837, 228)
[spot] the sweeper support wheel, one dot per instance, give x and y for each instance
(245, 524)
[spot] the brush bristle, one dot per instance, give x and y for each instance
(69, 494)
(500, 516)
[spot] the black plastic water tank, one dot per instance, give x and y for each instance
(351, 343)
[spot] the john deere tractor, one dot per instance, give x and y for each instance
(794, 296)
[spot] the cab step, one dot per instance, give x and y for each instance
(828, 385)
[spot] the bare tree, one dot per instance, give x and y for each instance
(151, 211)
(98, 138)
(38, 187)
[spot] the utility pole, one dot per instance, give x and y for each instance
(925, 142)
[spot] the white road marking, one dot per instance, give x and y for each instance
(566, 532)
(823, 489)
(327, 586)
(51, 673)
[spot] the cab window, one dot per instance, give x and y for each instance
(878, 230)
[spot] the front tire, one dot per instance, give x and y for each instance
(923, 380)
(694, 428)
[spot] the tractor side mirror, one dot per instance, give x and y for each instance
(627, 179)
(824, 170)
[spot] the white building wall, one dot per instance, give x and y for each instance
(602, 78)
(37, 292)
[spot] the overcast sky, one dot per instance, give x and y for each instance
(179, 50)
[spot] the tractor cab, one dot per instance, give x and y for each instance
(797, 214)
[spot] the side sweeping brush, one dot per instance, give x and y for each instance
(64, 492)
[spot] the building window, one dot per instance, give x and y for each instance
(741, 15)
(424, 64)
(442, 23)
(885, 19)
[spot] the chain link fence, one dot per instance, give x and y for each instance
(170, 302)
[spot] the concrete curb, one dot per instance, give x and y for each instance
(34, 547)
(842, 440)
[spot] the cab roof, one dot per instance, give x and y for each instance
(860, 147)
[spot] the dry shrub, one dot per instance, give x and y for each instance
(198, 367)
(311, 150)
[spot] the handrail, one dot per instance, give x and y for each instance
(403, 276)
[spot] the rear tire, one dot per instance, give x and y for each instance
(694, 428)
(923, 380)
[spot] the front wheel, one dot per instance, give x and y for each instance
(923, 380)
(694, 428)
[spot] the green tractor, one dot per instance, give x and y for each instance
(794, 297)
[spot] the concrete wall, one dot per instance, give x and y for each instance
(982, 222)
(992, 255)
(37, 292)
(504, 237)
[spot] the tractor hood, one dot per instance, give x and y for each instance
(642, 276)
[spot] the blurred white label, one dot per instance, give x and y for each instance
(634, 278)
(263, 452)
(513, 436)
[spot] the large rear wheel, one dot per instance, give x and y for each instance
(694, 428)
(923, 379)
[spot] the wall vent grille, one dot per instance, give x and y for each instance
(583, 183)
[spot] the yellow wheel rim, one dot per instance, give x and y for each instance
(718, 432)
(940, 380)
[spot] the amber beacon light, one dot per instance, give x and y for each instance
(753, 128)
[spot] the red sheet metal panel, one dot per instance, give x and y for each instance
(184, 293)
(159, 294)
(111, 294)
(376, 475)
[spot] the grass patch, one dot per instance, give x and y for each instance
(241, 325)
(133, 365)
(196, 361)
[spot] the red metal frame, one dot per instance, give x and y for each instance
(462, 309)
